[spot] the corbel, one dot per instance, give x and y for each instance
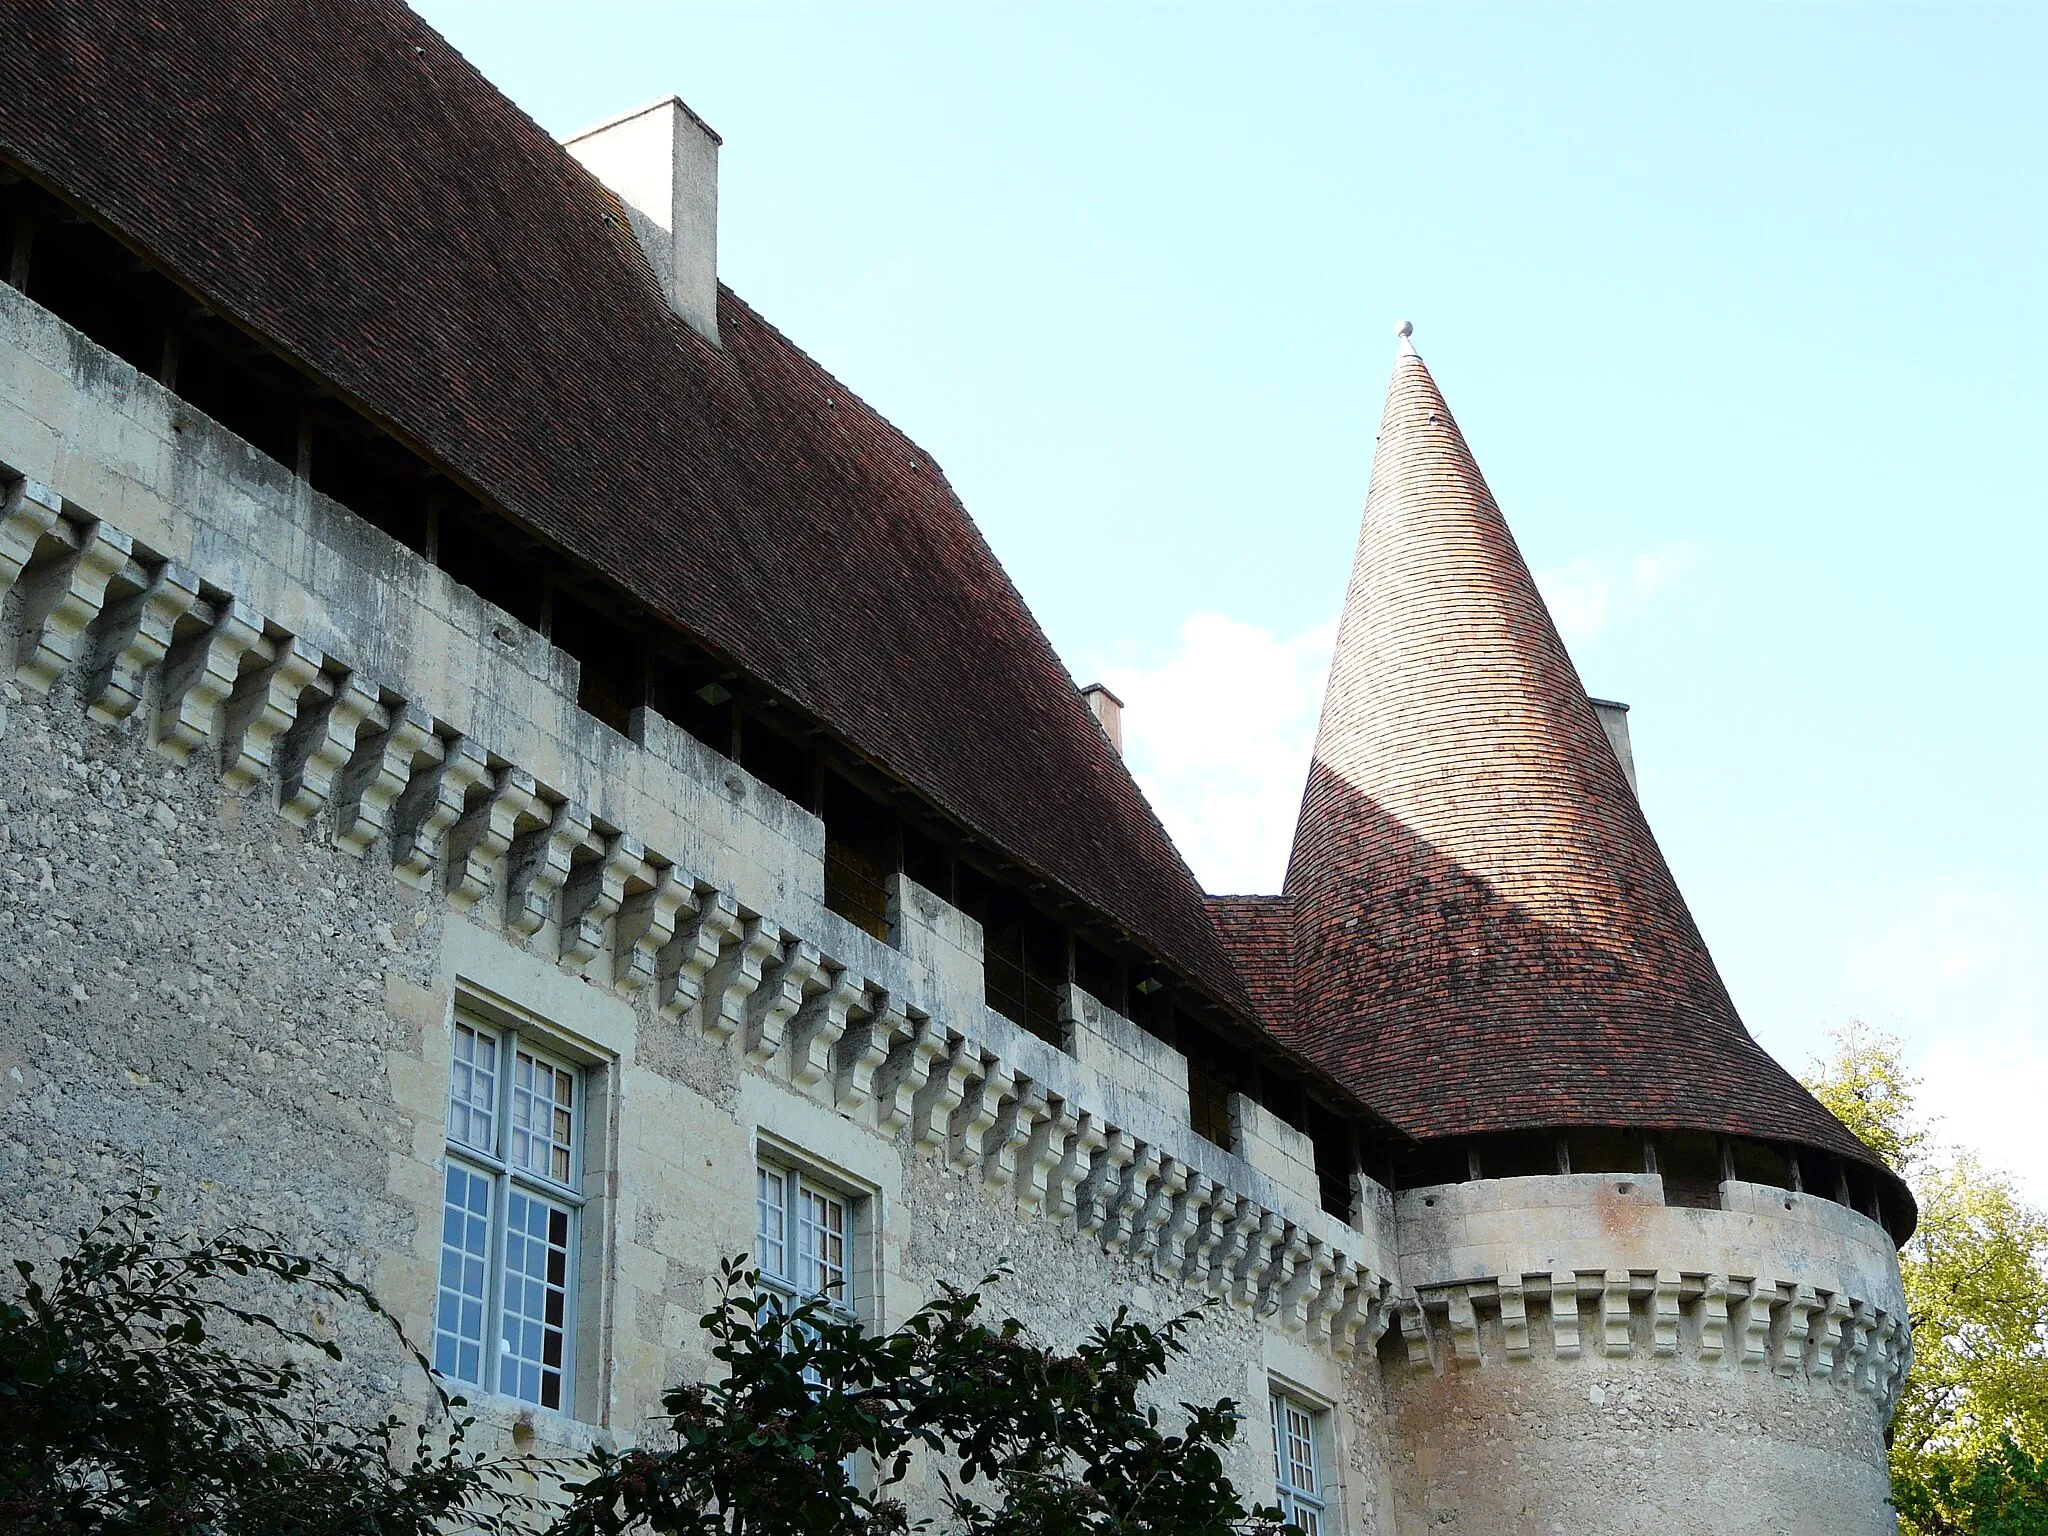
(431, 804)
(821, 1023)
(1463, 1320)
(1196, 1193)
(1514, 1318)
(1214, 1220)
(134, 635)
(1714, 1317)
(1856, 1337)
(263, 705)
(1564, 1315)
(975, 1116)
(1327, 1299)
(1261, 1240)
(30, 511)
(1415, 1332)
(322, 740)
(1615, 1342)
(383, 765)
(914, 1054)
(687, 961)
(1104, 1180)
(198, 676)
(738, 975)
(784, 986)
(1149, 1225)
(1022, 1107)
(1289, 1260)
(945, 1085)
(594, 893)
(1304, 1288)
(1757, 1298)
(1235, 1231)
(1379, 1315)
(61, 596)
(647, 922)
(1664, 1313)
(484, 833)
(1055, 1125)
(541, 861)
(1828, 1335)
(1799, 1311)
(873, 1028)
(1087, 1142)
(1119, 1229)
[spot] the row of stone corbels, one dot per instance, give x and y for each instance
(215, 674)
(1783, 1325)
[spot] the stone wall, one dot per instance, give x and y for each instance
(279, 797)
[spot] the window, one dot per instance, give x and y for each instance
(1296, 1431)
(509, 1217)
(800, 1237)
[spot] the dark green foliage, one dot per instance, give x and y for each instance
(133, 1400)
(2000, 1492)
(1026, 1441)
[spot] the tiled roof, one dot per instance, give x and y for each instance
(342, 182)
(1489, 937)
(1258, 935)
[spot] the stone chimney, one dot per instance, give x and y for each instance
(1109, 713)
(662, 162)
(1614, 721)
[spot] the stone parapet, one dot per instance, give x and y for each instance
(1506, 1270)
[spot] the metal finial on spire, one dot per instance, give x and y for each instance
(1405, 330)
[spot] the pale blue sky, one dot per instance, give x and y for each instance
(1740, 310)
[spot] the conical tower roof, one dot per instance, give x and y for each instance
(1487, 937)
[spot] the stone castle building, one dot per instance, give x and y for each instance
(510, 772)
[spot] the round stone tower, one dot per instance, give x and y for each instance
(1648, 1284)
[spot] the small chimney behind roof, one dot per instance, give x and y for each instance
(1614, 721)
(662, 162)
(1109, 713)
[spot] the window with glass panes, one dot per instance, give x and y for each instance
(1299, 1485)
(801, 1231)
(504, 1319)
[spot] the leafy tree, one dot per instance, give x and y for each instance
(1972, 1423)
(814, 1426)
(133, 1402)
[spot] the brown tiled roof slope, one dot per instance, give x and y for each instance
(1489, 937)
(339, 179)
(1258, 935)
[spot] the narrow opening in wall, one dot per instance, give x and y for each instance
(1757, 1163)
(1599, 1150)
(475, 554)
(1024, 954)
(860, 856)
(1690, 1165)
(1336, 1158)
(1214, 1066)
(612, 679)
(1517, 1154)
(777, 761)
(1433, 1162)
(1101, 976)
(344, 464)
(928, 861)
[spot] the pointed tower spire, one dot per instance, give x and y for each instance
(1487, 935)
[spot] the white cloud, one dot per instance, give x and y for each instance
(1219, 736)
(1592, 592)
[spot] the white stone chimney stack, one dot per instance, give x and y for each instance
(662, 161)
(1614, 721)
(1109, 713)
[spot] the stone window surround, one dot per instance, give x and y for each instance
(1325, 1499)
(586, 1366)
